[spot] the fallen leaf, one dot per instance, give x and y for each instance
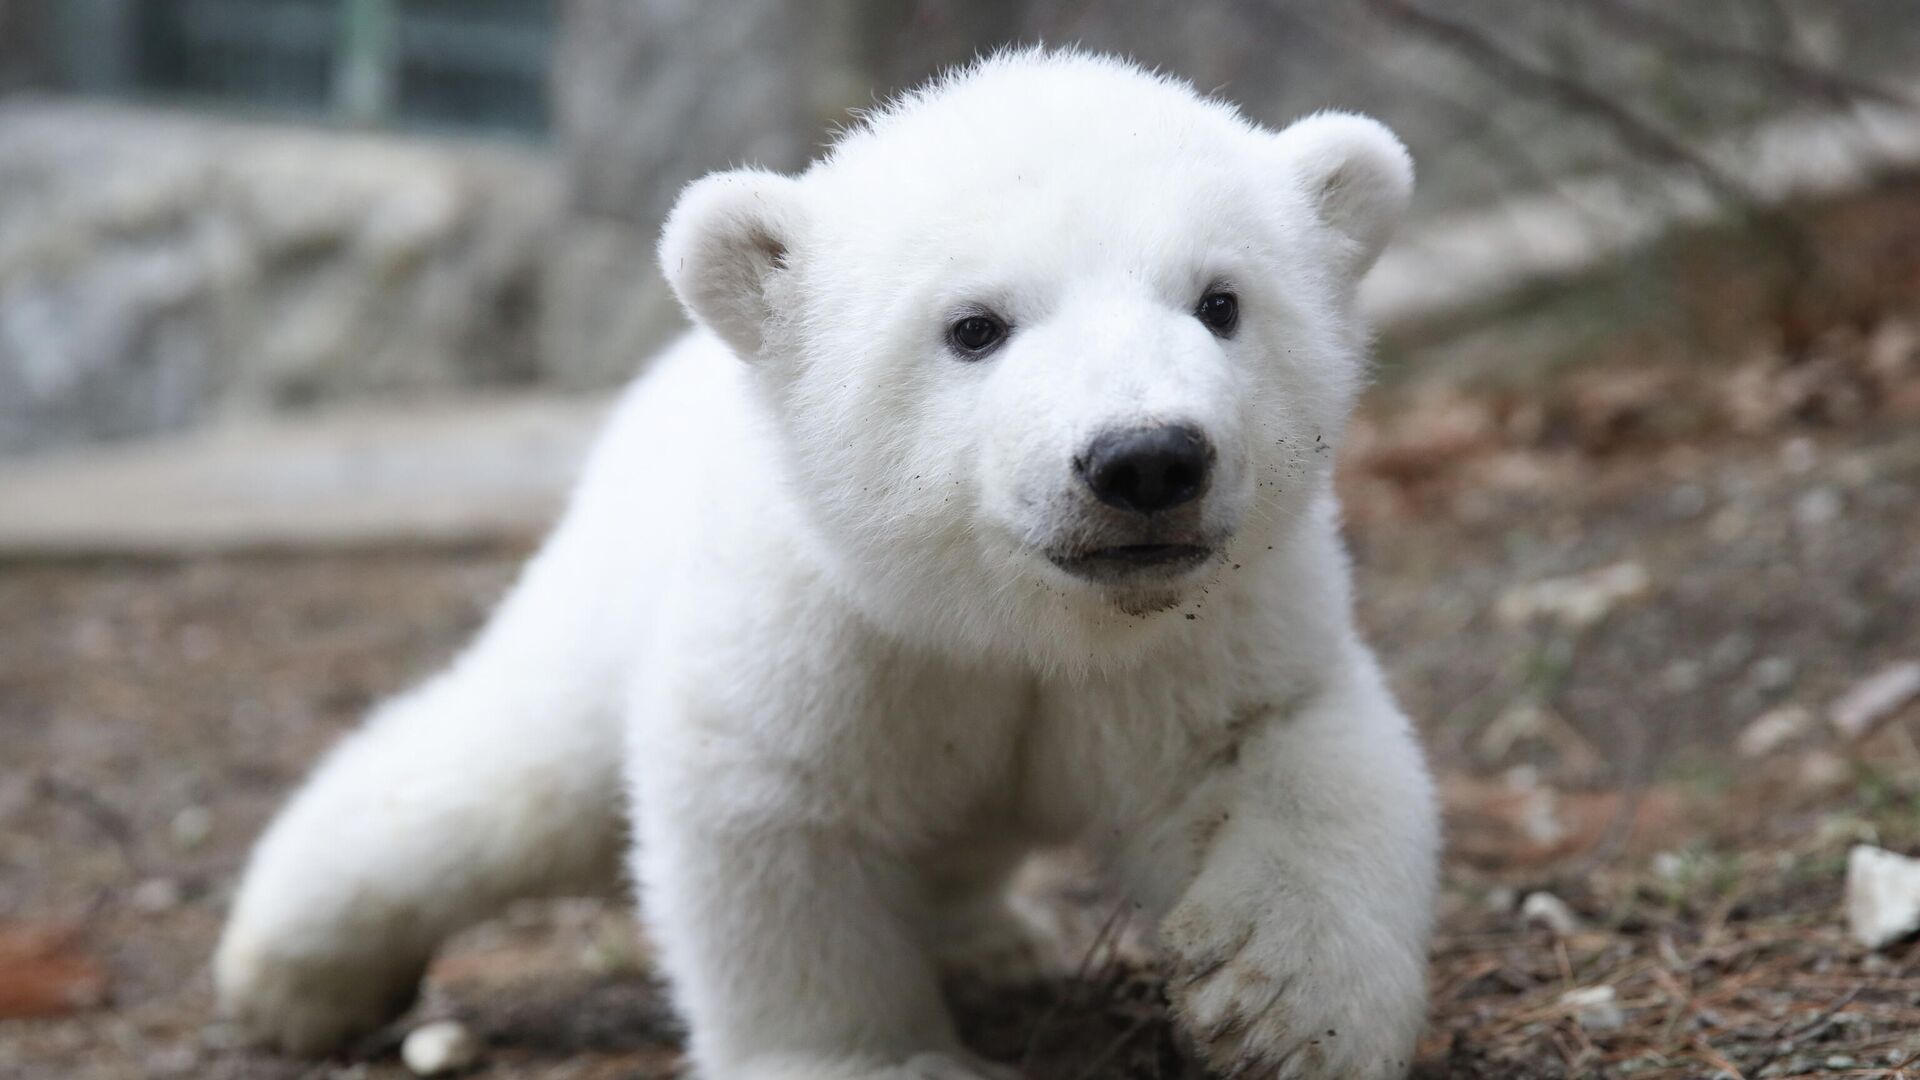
(44, 971)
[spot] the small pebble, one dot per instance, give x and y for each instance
(1687, 501)
(1799, 455)
(191, 827)
(441, 1047)
(1681, 677)
(1883, 895)
(1773, 730)
(1578, 600)
(1772, 673)
(1594, 1008)
(180, 1060)
(1548, 910)
(157, 895)
(1669, 866)
(1819, 506)
(1824, 771)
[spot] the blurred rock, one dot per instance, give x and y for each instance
(1883, 895)
(191, 827)
(156, 896)
(1594, 1008)
(1687, 501)
(1579, 600)
(1773, 730)
(441, 1047)
(1681, 676)
(224, 1036)
(1823, 771)
(1799, 455)
(1548, 910)
(1772, 673)
(1893, 348)
(1668, 866)
(1874, 700)
(1817, 507)
(179, 1060)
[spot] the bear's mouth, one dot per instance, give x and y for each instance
(1127, 562)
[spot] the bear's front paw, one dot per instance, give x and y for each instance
(1263, 998)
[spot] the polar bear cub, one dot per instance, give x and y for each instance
(989, 507)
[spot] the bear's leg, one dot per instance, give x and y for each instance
(497, 779)
(797, 953)
(1298, 884)
(452, 801)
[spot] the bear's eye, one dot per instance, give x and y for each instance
(1220, 310)
(976, 334)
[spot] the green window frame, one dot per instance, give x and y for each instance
(421, 64)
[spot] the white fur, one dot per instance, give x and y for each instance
(805, 584)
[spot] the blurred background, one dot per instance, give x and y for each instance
(309, 307)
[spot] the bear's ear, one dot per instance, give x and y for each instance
(1356, 174)
(727, 238)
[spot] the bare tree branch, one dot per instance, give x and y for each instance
(1786, 240)
(1638, 22)
(1474, 126)
(1635, 132)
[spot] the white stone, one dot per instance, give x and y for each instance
(1681, 677)
(1818, 506)
(1772, 672)
(1824, 770)
(1798, 456)
(1669, 865)
(1548, 910)
(1774, 729)
(191, 827)
(1594, 1008)
(1577, 600)
(1883, 895)
(156, 895)
(441, 1047)
(1876, 698)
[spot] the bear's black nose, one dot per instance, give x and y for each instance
(1147, 470)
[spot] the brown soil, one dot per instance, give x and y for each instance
(152, 714)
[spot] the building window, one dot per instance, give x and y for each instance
(433, 64)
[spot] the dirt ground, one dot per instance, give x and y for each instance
(1587, 601)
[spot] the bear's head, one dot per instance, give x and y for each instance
(1051, 345)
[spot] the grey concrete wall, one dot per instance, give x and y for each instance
(160, 269)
